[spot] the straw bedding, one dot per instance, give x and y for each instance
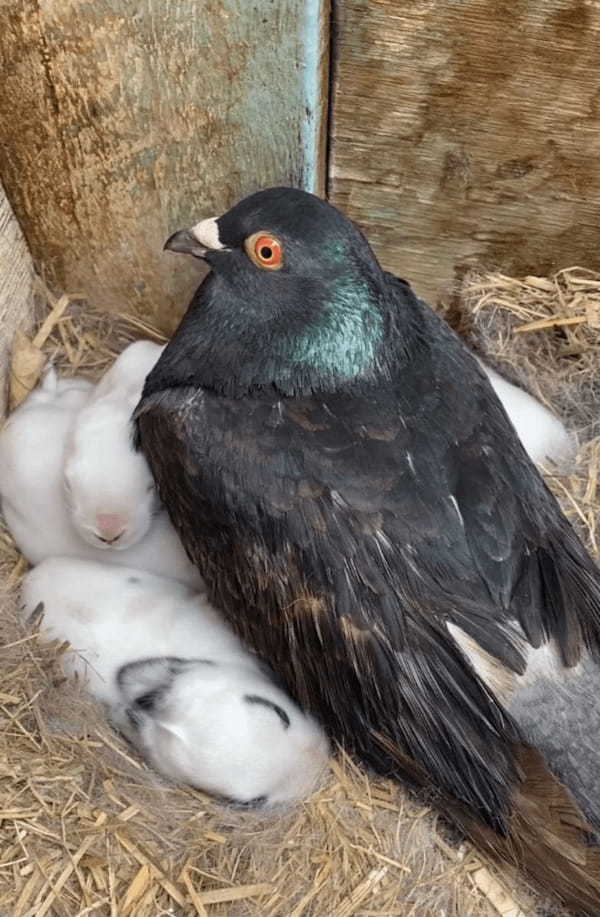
(86, 828)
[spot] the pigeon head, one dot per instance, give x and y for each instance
(295, 299)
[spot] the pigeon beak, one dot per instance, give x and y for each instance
(197, 241)
(184, 242)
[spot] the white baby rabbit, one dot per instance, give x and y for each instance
(32, 447)
(110, 490)
(542, 434)
(177, 681)
(31, 453)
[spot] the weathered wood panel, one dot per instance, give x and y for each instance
(121, 120)
(468, 132)
(16, 289)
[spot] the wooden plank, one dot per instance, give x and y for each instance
(467, 133)
(16, 289)
(121, 120)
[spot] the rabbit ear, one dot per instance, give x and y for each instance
(153, 676)
(145, 676)
(257, 699)
(35, 616)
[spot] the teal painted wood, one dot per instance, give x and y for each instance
(121, 120)
(316, 92)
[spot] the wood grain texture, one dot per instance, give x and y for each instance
(122, 120)
(467, 133)
(16, 289)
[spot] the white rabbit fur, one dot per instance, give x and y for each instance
(541, 432)
(110, 490)
(32, 446)
(204, 711)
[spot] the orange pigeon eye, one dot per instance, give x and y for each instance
(264, 250)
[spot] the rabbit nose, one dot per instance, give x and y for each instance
(110, 526)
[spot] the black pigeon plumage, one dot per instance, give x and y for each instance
(341, 472)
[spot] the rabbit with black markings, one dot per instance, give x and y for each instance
(32, 449)
(177, 681)
(110, 491)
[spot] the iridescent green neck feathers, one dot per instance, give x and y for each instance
(343, 340)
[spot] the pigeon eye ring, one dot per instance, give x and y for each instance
(264, 250)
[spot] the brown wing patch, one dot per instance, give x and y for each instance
(548, 836)
(358, 646)
(300, 414)
(233, 441)
(383, 434)
(353, 633)
(310, 490)
(256, 555)
(313, 606)
(551, 836)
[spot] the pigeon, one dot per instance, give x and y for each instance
(338, 466)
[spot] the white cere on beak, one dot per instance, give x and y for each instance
(207, 233)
